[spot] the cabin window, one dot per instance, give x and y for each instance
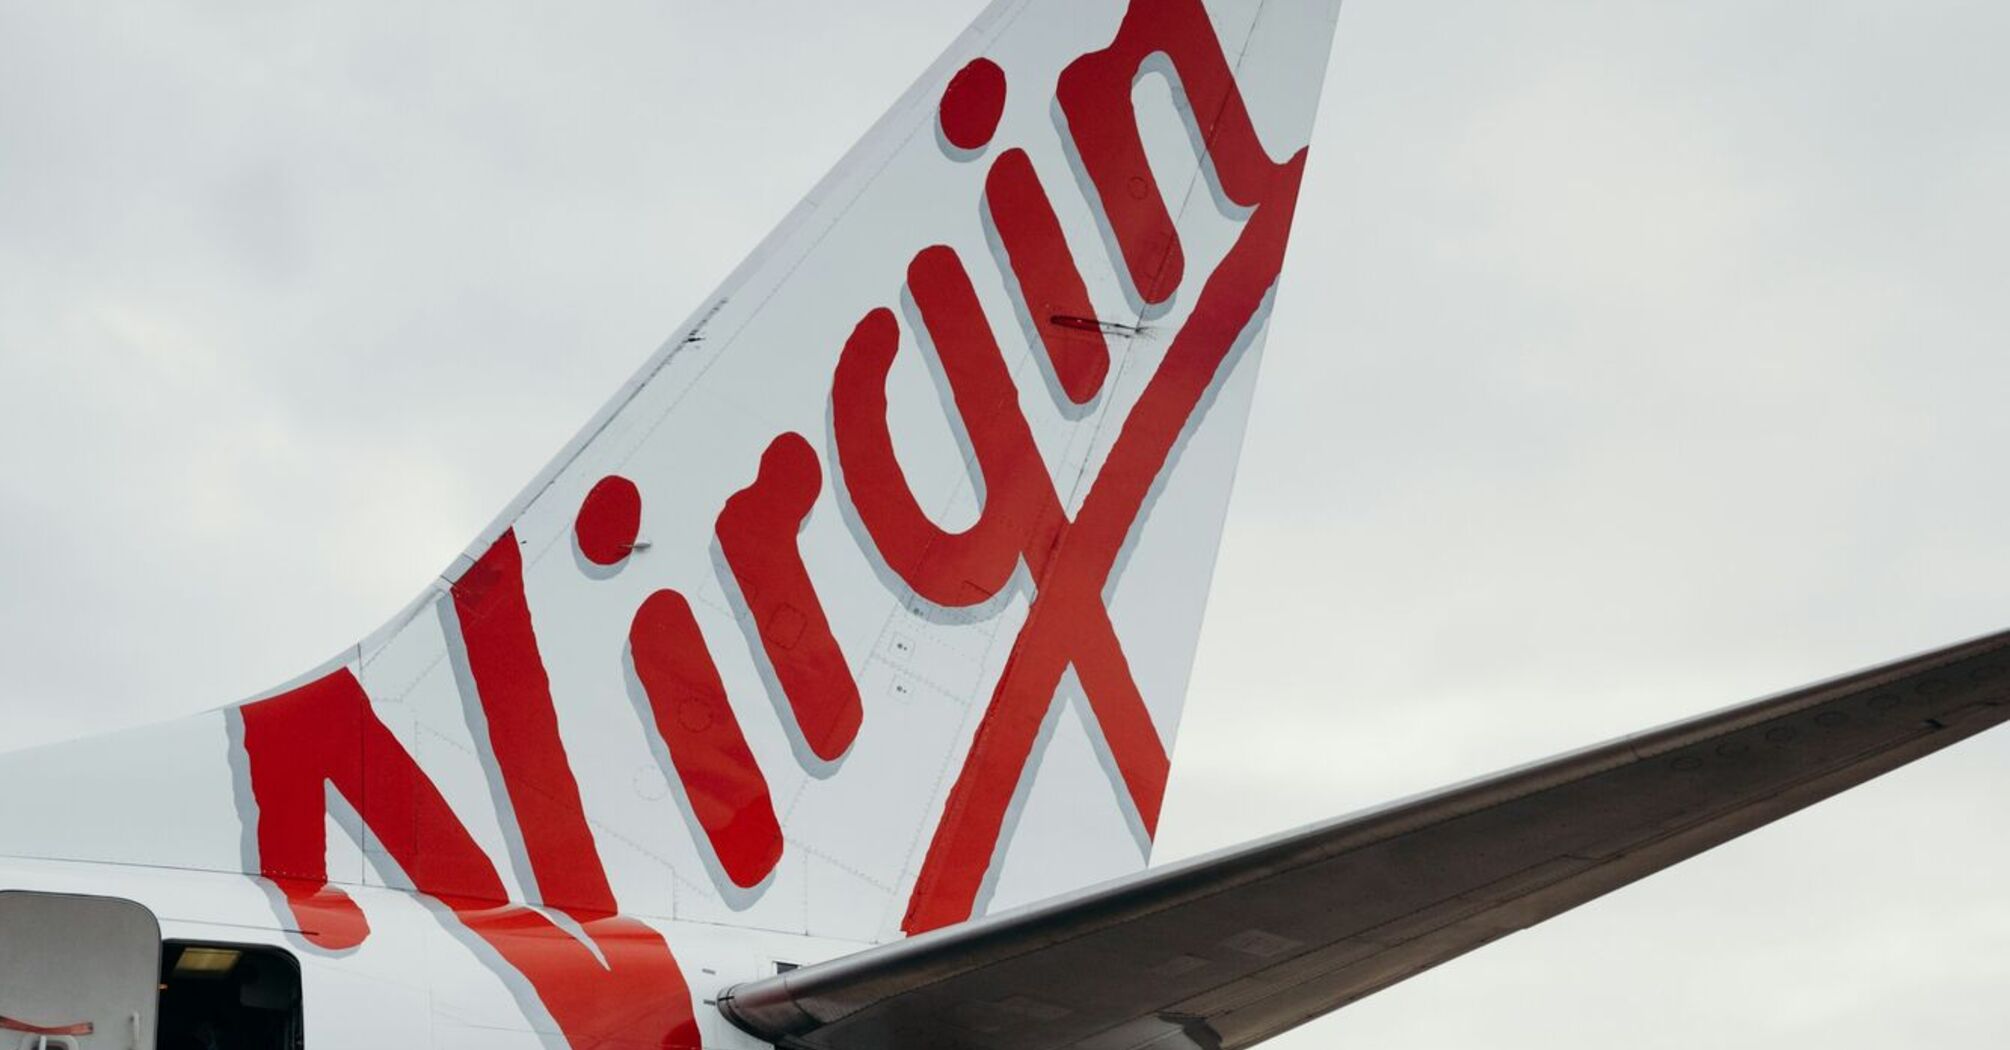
(228, 997)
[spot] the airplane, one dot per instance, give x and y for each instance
(453, 825)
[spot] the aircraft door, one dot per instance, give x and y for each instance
(77, 973)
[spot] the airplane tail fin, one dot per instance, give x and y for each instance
(869, 603)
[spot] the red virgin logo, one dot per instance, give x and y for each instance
(325, 734)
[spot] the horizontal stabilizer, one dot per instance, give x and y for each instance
(1227, 950)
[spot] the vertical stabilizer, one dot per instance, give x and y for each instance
(869, 603)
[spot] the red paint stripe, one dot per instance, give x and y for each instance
(757, 533)
(1119, 708)
(1064, 627)
(1049, 283)
(515, 695)
(728, 794)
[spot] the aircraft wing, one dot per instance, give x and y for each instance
(1227, 950)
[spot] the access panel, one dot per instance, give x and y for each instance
(77, 973)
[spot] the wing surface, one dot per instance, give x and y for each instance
(1227, 950)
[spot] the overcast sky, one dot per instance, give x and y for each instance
(1634, 358)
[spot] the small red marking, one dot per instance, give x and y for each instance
(609, 520)
(757, 533)
(972, 104)
(696, 721)
(1050, 284)
(324, 734)
(81, 1028)
(515, 695)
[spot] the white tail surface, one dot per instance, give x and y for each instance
(869, 603)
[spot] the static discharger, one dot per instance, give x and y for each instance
(1091, 324)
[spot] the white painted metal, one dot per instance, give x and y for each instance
(85, 967)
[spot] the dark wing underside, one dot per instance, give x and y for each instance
(1227, 950)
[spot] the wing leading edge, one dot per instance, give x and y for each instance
(1227, 950)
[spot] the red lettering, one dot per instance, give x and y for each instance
(972, 104)
(757, 533)
(1050, 284)
(515, 696)
(324, 733)
(1095, 95)
(1066, 624)
(1071, 561)
(727, 792)
(608, 521)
